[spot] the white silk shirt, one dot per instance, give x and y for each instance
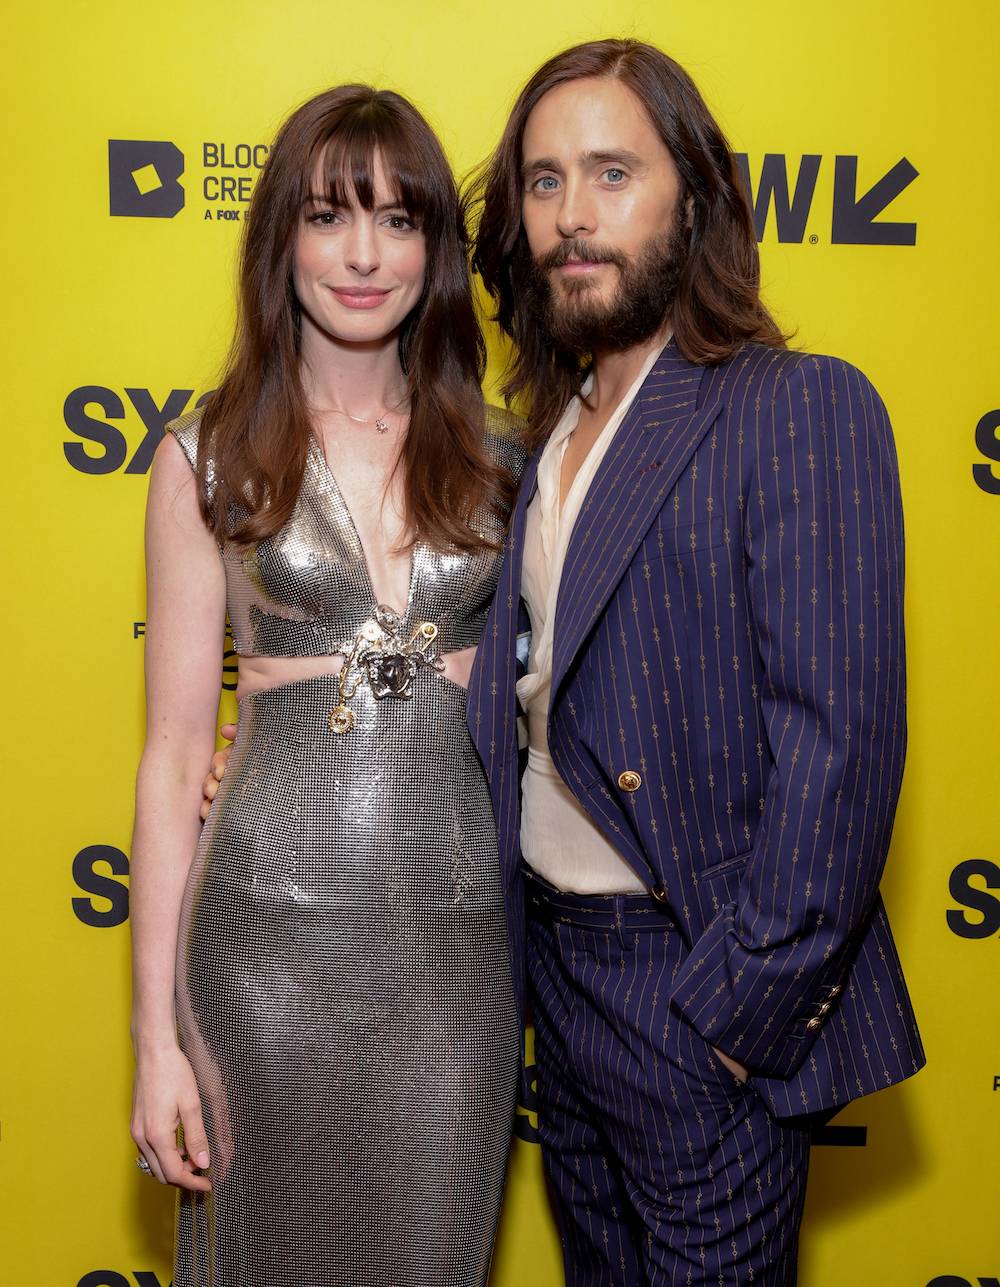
(558, 839)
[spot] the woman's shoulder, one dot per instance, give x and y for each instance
(505, 433)
(187, 430)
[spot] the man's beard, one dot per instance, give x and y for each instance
(576, 318)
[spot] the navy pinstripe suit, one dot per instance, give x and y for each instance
(729, 628)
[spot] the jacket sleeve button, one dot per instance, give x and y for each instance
(629, 780)
(814, 1024)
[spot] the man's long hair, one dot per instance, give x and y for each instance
(256, 429)
(717, 307)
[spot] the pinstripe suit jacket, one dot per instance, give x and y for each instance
(730, 627)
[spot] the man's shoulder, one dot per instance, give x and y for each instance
(770, 371)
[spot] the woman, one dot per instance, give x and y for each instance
(323, 999)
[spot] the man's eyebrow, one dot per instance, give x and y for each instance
(543, 163)
(621, 155)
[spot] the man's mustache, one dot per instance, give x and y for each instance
(584, 251)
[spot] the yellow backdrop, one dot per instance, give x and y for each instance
(120, 305)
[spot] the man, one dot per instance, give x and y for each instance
(704, 575)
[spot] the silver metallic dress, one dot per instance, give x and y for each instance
(343, 982)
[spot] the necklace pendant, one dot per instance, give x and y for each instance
(381, 426)
(341, 720)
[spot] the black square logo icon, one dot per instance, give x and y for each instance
(143, 178)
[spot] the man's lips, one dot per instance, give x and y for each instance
(581, 267)
(359, 296)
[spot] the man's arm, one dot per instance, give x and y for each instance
(825, 582)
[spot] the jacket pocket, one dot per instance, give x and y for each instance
(727, 865)
(673, 539)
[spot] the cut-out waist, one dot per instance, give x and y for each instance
(260, 673)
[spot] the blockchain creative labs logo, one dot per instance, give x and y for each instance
(854, 218)
(144, 178)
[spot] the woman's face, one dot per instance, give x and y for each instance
(357, 273)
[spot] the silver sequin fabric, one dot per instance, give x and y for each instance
(343, 984)
(305, 590)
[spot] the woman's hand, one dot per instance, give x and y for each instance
(165, 1097)
(739, 1071)
(219, 761)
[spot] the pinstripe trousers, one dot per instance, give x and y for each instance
(666, 1170)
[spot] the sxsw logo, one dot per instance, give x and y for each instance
(975, 886)
(952, 1280)
(104, 447)
(855, 217)
(111, 1278)
(988, 445)
(100, 872)
(144, 178)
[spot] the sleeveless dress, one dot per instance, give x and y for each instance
(344, 991)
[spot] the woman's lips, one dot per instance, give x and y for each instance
(360, 298)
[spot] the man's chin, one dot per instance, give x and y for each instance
(569, 284)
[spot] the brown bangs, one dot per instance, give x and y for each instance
(348, 154)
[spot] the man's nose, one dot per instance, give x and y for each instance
(576, 215)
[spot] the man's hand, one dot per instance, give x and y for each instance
(738, 1070)
(219, 760)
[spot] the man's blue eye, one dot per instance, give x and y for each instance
(615, 175)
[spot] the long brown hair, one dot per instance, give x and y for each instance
(256, 430)
(717, 307)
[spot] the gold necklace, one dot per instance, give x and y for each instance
(380, 423)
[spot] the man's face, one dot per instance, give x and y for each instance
(600, 212)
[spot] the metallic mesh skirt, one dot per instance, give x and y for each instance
(344, 996)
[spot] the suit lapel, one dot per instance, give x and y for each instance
(670, 415)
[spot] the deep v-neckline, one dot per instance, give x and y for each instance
(359, 549)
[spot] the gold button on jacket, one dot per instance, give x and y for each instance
(629, 780)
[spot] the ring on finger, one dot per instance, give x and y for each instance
(143, 1165)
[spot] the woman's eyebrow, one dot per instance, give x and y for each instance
(316, 198)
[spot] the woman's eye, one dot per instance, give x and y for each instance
(324, 218)
(400, 223)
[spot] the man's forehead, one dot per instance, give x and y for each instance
(589, 116)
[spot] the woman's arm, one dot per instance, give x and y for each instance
(185, 628)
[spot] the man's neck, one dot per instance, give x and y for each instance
(616, 372)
